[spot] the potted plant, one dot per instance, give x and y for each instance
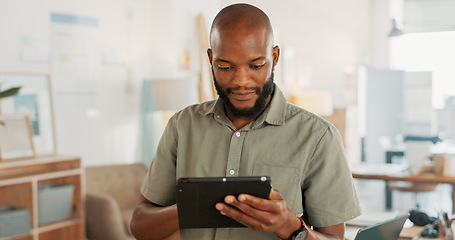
(8, 93)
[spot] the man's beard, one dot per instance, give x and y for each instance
(259, 105)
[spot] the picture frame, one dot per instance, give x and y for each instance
(16, 137)
(34, 100)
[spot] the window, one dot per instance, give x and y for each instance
(430, 51)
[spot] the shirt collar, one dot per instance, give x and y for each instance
(213, 107)
(275, 113)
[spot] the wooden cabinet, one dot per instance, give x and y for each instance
(19, 181)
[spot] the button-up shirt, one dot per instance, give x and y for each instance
(300, 151)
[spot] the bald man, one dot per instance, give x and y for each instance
(250, 130)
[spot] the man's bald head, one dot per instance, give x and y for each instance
(239, 17)
(243, 57)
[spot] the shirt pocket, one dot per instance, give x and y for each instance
(284, 179)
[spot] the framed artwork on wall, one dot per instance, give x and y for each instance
(16, 140)
(34, 100)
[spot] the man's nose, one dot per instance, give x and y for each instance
(241, 76)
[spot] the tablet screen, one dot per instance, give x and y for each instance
(196, 198)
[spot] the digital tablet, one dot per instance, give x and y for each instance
(197, 197)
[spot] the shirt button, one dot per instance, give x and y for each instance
(232, 172)
(237, 134)
(218, 116)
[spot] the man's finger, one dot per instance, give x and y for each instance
(256, 202)
(239, 216)
(260, 203)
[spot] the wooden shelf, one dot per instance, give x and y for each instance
(19, 181)
(21, 237)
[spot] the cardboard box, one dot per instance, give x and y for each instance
(441, 165)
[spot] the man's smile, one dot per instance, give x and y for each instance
(243, 95)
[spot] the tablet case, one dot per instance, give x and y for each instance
(196, 198)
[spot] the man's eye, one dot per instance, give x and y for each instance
(224, 68)
(257, 67)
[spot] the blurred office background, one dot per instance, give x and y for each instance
(119, 67)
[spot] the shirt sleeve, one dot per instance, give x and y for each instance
(159, 183)
(329, 192)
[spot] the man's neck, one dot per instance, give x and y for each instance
(240, 122)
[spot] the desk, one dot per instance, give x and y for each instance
(424, 178)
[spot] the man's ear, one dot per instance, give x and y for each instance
(210, 55)
(276, 55)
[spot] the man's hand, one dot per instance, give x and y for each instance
(267, 215)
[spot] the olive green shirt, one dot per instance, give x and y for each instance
(302, 152)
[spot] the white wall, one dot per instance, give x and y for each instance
(109, 133)
(175, 26)
(380, 28)
(428, 16)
